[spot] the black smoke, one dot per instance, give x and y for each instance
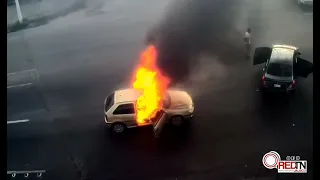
(191, 28)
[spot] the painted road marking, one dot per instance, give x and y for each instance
(22, 78)
(18, 72)
(18, 121)
(20, 85)
(25, 71)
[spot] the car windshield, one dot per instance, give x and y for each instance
(109, 102)
(278, 69)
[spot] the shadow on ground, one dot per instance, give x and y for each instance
(190, 29)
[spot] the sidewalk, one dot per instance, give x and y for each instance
(40, 12)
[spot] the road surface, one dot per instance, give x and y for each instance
(60, 73)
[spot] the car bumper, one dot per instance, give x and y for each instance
(106, 122)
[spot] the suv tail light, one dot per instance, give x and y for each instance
(293, 84)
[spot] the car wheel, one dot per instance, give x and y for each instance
(177, 120)
(118, 128)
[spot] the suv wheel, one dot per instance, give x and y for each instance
(118, 128)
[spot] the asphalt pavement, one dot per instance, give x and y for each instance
(60, 73)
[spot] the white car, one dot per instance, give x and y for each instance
(120, 112)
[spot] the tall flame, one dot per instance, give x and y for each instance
(151, 82)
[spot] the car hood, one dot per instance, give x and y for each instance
(179, 99)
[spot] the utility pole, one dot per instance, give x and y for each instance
(18, 11)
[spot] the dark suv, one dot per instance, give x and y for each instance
(282, 65)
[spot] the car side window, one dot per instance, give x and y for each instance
(124, 109)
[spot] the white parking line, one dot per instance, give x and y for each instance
(14, 73)
(18, 121)
(20, 85)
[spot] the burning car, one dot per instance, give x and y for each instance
(121, 111)
(149, 101)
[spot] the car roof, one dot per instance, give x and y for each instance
(130, 95)
(282, 54)
(126, 95)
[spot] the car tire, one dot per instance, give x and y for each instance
(118, 128)
(177, 120)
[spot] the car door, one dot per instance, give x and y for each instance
(158, 121)
(261, 55)
(303, 67)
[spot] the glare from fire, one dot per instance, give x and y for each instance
(151, 82)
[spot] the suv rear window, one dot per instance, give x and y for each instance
(109, 102)
(278, 69)
(124, 109)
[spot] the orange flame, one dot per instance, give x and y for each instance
(151, 82)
